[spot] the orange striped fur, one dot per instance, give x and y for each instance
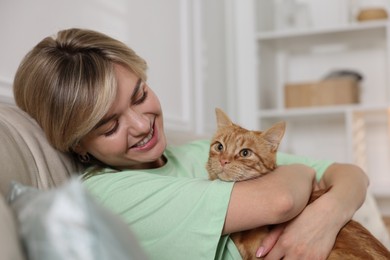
(238, 154)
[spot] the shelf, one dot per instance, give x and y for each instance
(356, 133)
(318, 111)
(278, 35)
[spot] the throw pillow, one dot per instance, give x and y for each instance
(67, 223)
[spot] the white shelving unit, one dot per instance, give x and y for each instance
(357, 133)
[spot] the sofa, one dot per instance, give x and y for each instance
(46, 188)
(28, 160)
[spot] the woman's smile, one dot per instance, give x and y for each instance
(148, 142)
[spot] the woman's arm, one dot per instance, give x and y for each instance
(312, 234)
(349, 185)
(273, 198)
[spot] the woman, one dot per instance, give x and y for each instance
(89, 94)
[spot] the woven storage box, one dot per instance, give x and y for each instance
(323, 93)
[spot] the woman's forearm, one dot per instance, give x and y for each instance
(274, 198)
(349, 185)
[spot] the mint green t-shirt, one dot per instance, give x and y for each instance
(175, 211)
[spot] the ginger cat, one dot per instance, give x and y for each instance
(249, 154)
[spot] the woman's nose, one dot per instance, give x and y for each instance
(138, 123)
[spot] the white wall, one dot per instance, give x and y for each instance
(24, 23)
(168, 34)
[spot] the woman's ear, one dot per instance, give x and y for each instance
(79, 149)
(82, 153)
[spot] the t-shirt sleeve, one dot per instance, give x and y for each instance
(319, 166)
(172, 217)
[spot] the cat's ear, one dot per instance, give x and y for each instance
(222, 118)
(275, 134)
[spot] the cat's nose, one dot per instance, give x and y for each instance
(224, 162)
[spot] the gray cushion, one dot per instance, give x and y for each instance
(25, 154)
(67, 223)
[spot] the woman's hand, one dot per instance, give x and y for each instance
(312, 234)
(270, 240)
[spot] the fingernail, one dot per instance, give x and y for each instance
(260, 251)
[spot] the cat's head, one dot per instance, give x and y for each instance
(238, 154)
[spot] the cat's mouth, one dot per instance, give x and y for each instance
(225, 177)
(237, 176)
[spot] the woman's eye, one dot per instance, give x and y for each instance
(141, 97)
(113, 129)
(245, 153)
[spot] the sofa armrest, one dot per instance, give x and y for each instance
(10, 245)
(25, 154)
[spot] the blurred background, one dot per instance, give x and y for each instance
(322, 66)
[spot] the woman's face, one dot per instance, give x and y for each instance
(131, 135)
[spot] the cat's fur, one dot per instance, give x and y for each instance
(238, 154)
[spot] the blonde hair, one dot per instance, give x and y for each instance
(67, 82)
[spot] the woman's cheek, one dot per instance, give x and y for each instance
(119, 144)
(112, 145)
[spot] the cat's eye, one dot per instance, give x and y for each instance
(218, 146)
(245, 153)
